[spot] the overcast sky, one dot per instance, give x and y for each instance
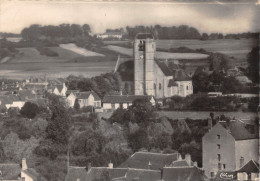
(219, 17)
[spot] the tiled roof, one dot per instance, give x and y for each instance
(183, 174)
(144, 36)
(140, 160)
(83, 95)
(251, 167)
(95, 173)
(180, 75)
(68, 92)
(179, 163)
(75, 173)
(172, 83)
(26, 94)
(238, 130)
(143, 175)
(32, 173)
(105, 173)
(59, 87)
(5, 100)
(123, 98)
(165, 69)
(97, 98)
(10, 171)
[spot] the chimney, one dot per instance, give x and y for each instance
(89, 166)
(110, 165)
(149, 165)
(179, 157)
(195, 164)
(241, 162)
(24, 164)
(64, 85)
(188, 159)
(209, 124)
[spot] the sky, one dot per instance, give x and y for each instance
(211, 17)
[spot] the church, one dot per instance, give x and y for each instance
(155, 77)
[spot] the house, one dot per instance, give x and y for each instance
(156, 77)
(250, 171)
(28, 174)
(11, 101)
(110, 35)
(89, 98)
(148, 160)
(59, 90)
(112, 102)
(10, 171)
(183, 169)
(228, 145)
(142, 166)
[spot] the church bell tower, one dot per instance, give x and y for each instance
(144, 51)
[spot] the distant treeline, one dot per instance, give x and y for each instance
(63, 31)
(13, 35)
(180, 32)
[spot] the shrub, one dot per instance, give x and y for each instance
(29, 110)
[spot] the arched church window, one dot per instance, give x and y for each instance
(187, 87)
(154, 86)
(160, 86)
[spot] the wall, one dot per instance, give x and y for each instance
(183, 92)
(71, 100)
(138, 69)
(107, 106)
(210, 150)
(247, 149)
(91, 100)
(27, 177)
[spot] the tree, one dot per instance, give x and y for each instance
(253, 65)
(138, 140)
(57, 131)
(143, 111)
(88, 142)
(29, 110)
(76, 105)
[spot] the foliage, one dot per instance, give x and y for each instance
(53, 170)
(57, 131)
(88, 142)
(102, 84)
(15, 149)
(64, 30)
(252, 70)
(29, 110)
(138, 140)
(253, 104)
(76, 104)
(161, 141)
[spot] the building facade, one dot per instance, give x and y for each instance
(227, 147)
(155, 77)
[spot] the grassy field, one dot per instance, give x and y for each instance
(29, 62)
(81, 51)
(236, 48)
(159, 55)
